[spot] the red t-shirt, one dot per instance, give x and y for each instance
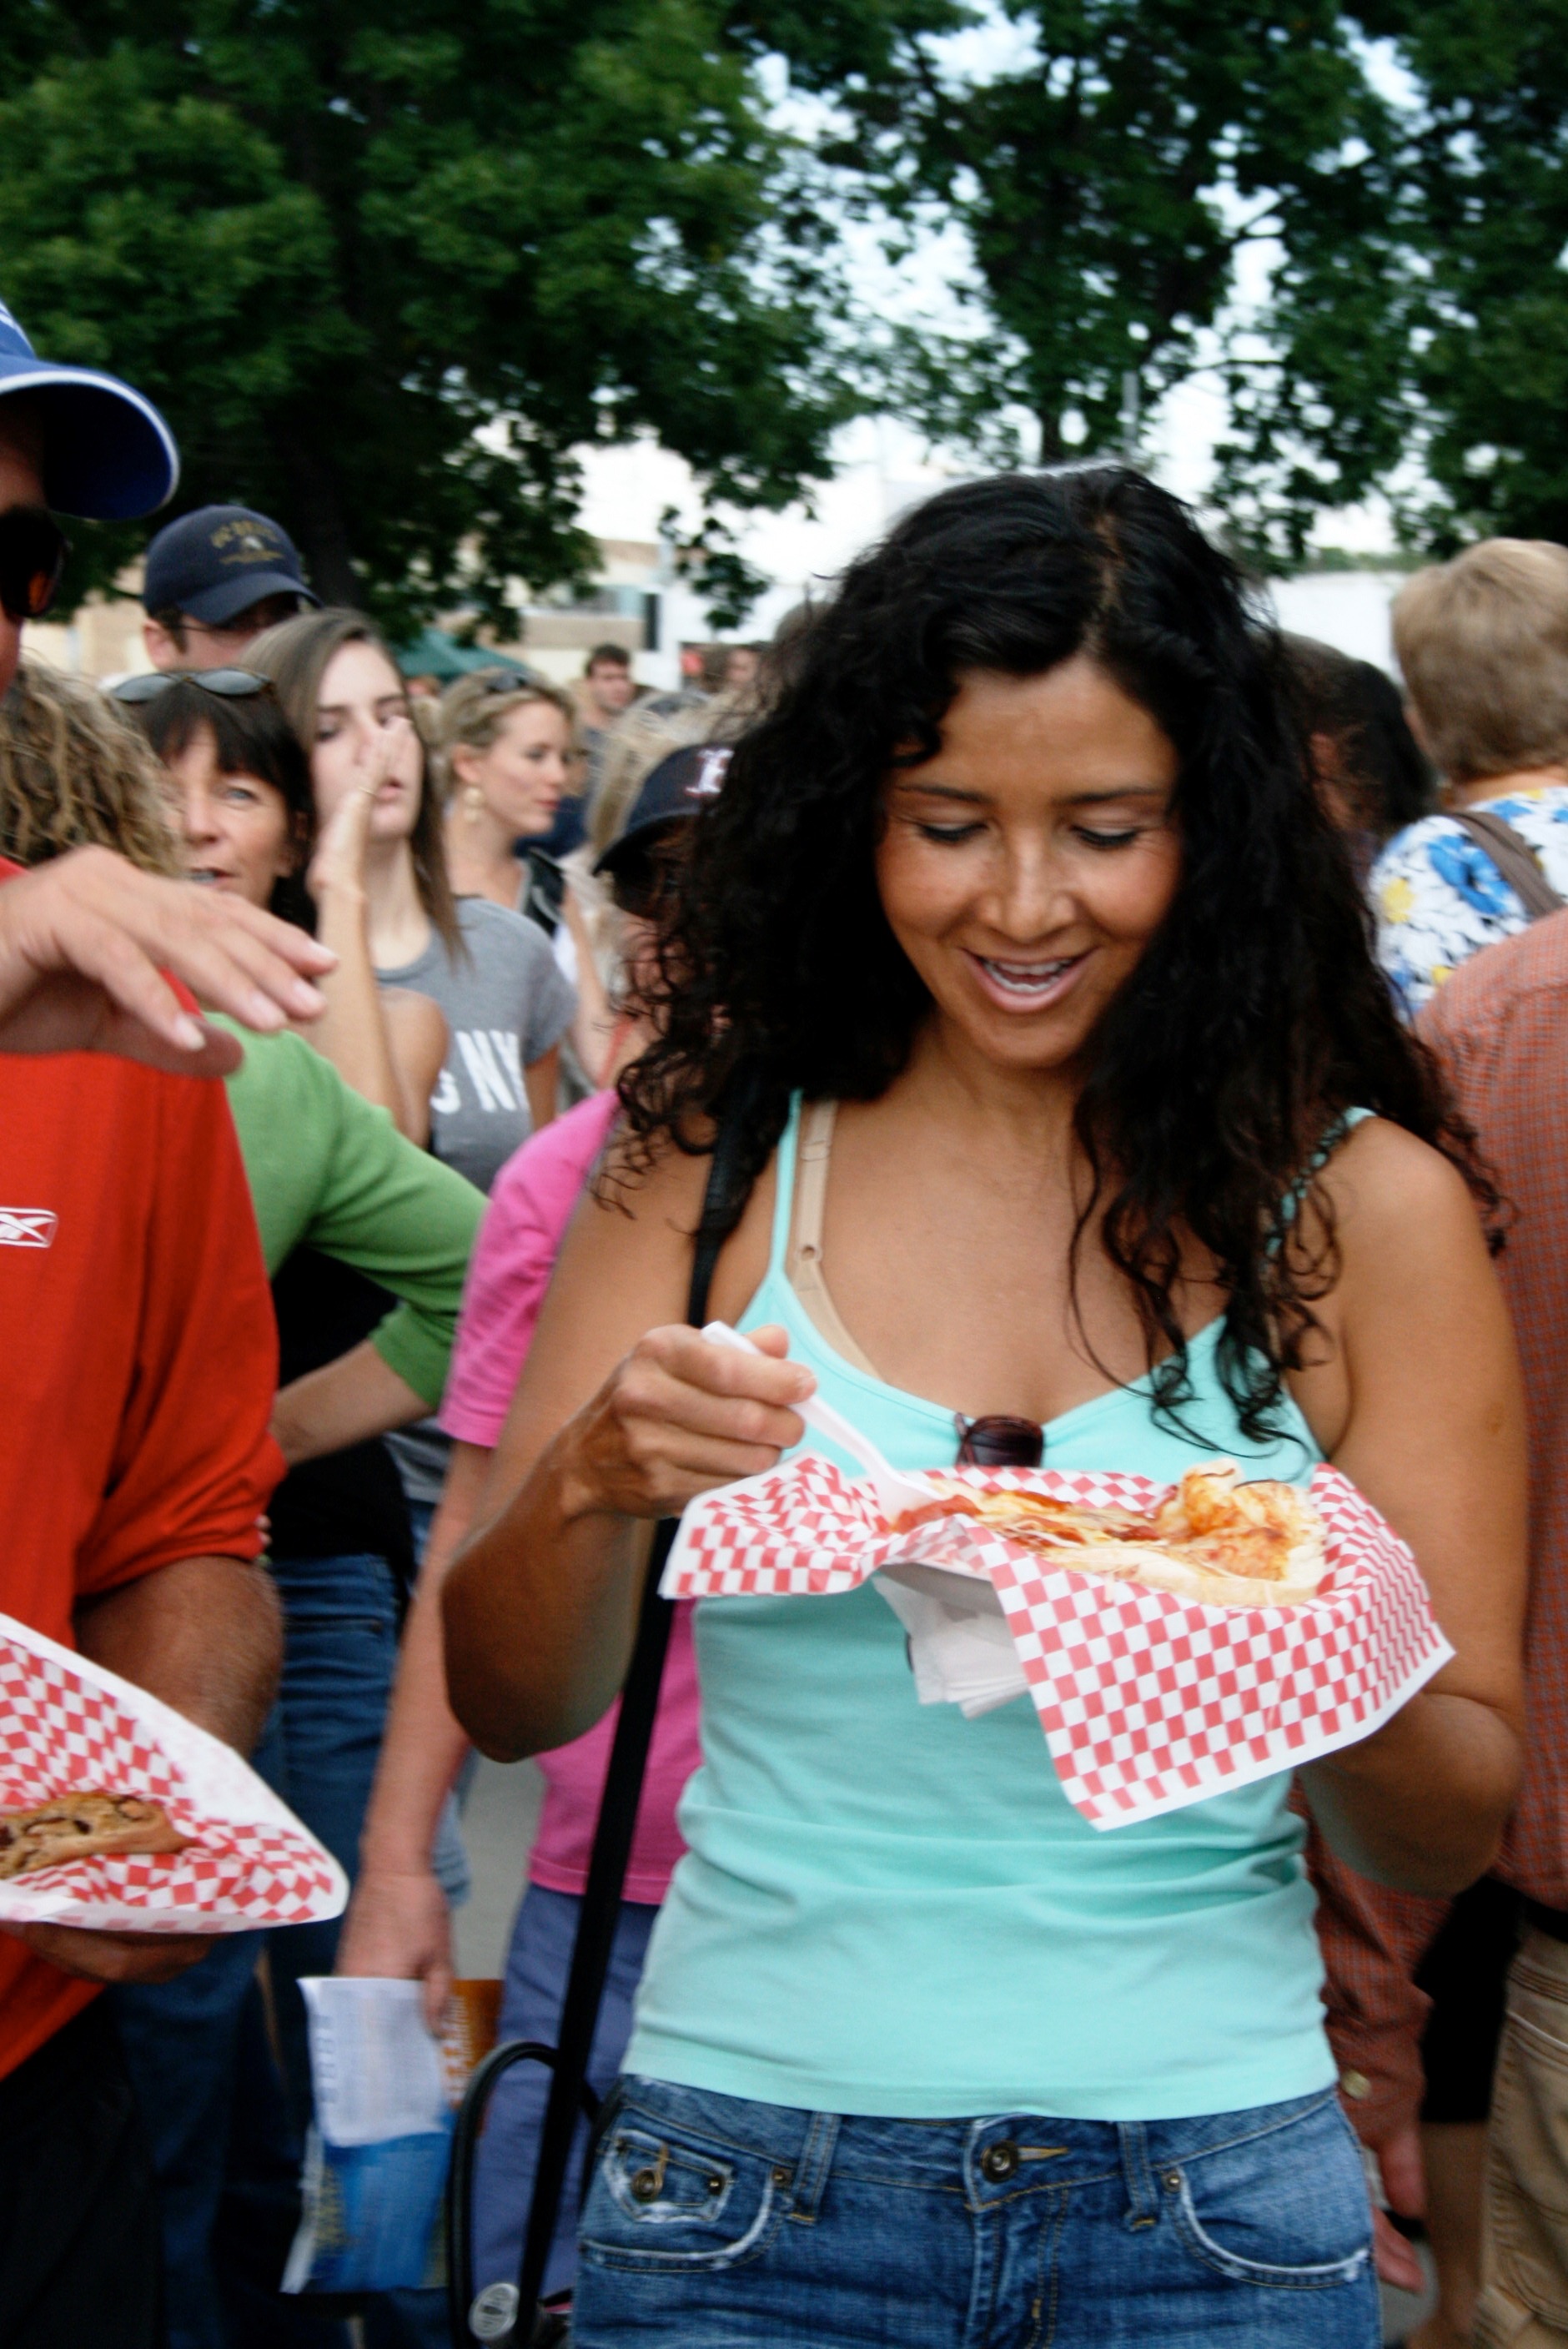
(140, 1360)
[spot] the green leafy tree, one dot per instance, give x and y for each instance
(1110, 183)
(386, 265)
(1484, 165)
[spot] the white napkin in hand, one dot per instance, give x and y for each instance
(961, 1648)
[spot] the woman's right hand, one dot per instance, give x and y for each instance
(678, 1416)
(400, 1927)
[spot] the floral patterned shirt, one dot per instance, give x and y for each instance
(1439, 898)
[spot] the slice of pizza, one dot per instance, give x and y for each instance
(1213, 1538)
(83, 1827)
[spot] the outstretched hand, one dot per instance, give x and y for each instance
(84, 942)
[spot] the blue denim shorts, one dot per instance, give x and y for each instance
(714, 2221)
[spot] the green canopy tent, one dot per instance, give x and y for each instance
(433, 653)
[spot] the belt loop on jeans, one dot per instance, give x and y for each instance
(811, 2169)
(1143, 2195)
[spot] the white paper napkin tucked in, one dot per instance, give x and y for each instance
(961, 1645)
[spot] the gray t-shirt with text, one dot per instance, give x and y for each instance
(506, 1005)
(506, 1002)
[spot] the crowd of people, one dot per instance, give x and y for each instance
(1039, 981)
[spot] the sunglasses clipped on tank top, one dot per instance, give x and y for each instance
(995, 1441)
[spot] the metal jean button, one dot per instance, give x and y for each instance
(1000, 2162)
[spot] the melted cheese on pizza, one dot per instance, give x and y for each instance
(1212, 1536)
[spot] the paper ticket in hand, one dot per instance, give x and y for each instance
(1175, 1641)
(116, 1813)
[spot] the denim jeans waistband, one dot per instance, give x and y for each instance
(991, 2151)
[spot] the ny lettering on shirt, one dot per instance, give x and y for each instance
(491, 1059)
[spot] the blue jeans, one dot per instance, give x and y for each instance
(713, 2221)
(536, 1964)
(183, 2039)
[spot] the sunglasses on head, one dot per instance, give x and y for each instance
(229, 684)
(33, 551)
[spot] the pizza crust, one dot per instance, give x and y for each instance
(83, 1827)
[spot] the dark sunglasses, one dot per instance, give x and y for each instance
(229, 684)
(33, 551)
(996, 1441)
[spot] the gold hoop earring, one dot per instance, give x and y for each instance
(473, 803)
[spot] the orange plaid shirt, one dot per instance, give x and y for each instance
(1501, 1029)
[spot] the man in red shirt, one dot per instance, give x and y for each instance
(136, 1333)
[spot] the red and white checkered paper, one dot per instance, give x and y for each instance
(66, 1727)
(1149, 1702)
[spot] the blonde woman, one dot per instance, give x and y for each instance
(505, 751)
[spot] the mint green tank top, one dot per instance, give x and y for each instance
(885, 1909)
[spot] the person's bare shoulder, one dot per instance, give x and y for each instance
(648, 1184)
(1402, 1212)
(640, 1215)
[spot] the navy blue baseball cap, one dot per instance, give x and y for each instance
(216, 563)
(679, 786)
(108, 453)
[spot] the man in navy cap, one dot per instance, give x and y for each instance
(215, 580)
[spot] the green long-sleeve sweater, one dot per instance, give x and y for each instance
(326, 1168)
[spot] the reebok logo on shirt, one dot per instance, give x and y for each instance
(27, 1228)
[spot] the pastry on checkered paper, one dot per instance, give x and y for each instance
(1213, 1538)
(87, 1826)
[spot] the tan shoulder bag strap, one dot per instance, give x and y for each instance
(1515, 859)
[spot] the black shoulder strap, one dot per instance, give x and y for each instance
(1515, 859)
(722, 1206)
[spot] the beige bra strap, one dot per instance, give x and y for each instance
(803, 1258)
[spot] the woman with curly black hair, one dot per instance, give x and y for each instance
(1021, 922)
